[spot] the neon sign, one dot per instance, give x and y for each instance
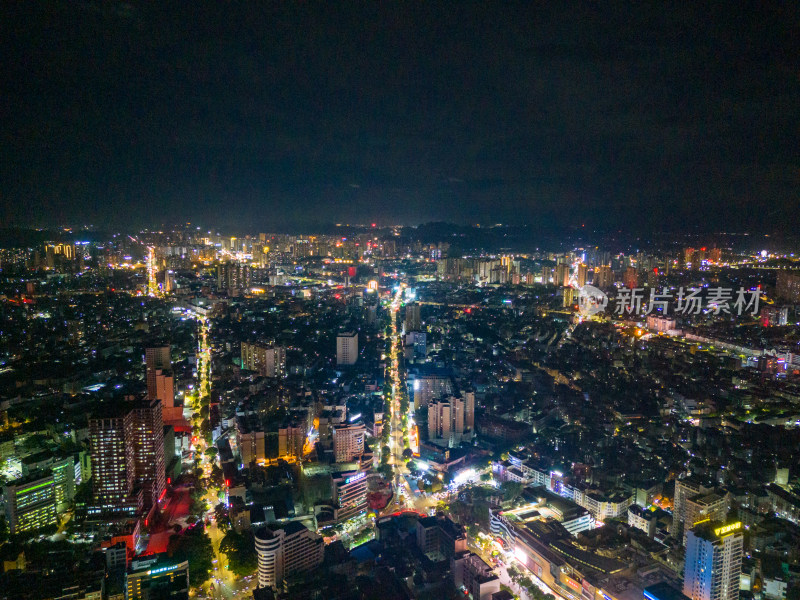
(720, 531)
(355, 478)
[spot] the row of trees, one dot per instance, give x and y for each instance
(195, 546)
(524, 581)
(241, 552)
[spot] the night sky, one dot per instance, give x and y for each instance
(267, 115)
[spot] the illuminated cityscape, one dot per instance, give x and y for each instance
(399, 302)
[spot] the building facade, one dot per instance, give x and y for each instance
(348, 441)
(346, 349)
(713, 564)
(287, 551)
(30, 504)
(268, 361)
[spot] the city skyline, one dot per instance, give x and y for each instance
(399, 300)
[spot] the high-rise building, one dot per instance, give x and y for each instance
(250, 439)
(348, 441)
(157, 577)
(448, 419)
(631, 278)
(469, 411)
(30, 503)
(685, 489)
(427, 386)
(127, 451)
(603, 277)
(562, 275)
(157, 359)
(704, 507)
(713, 563)
(349, 491)
(285, 552)
(788, 287)
(63, 472)
(268, 361)
(413, 321)
(347, 348)
(291, 438)
(234, 277)
(113, 468)
(165, 393)
(148, 449)
(583, 274)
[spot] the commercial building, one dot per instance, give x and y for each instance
(30, 503)
(157, 577)
(663, 591)
(287, 551)
(348, 441)
(713, 563)
(63, 471)
(349, 492)
(346, 349)
(268, 361)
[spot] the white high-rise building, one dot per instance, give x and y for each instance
(451, 420)
(713, 562)
(284, 552)
(347, 348)
(685, 489)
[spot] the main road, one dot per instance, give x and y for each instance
(225, 585)
(404, 498)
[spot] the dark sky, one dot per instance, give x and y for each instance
(258, 115)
